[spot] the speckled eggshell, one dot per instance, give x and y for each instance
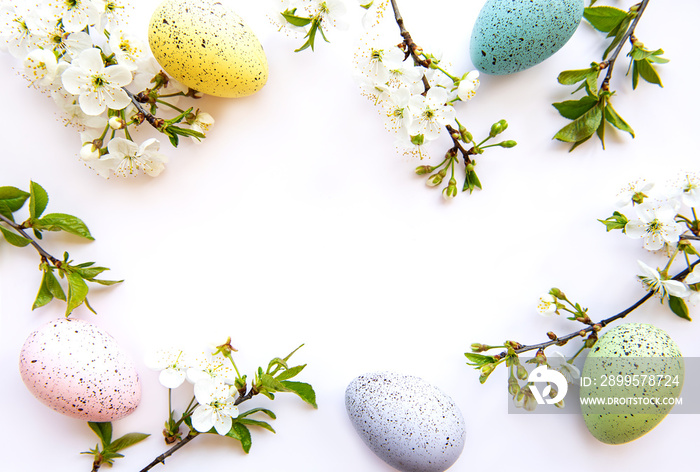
(80, 371)
(410, 424)
(628, 350)
(206, 46)
(513, 35)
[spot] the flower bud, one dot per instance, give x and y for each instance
(450, 191)
(434, 180)
(508, 144)
(513, 386)
(521, 372)
(89, 152)
(556, 293)
(466, 136)
(478, 347)
(422, 170)
(487, 369)
(116, 122)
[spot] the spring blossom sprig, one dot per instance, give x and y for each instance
(103, 79)
(664, 220)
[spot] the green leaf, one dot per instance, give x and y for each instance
(103, 431)
(303, 390)
(38, 199)
(479, 360)
(471, 181)
(13, 197)
(618, 33)
(289, 373)
(240, 431)
(573, 109)
(294, 20)
(272, 384)
(604, 18)
(89, 273)
(582, 127)
(262, 424)
(63, 222)
(616, 120)
(6, 211)
(126, 441)
(571, 77)
(257, 410)
(14, 238)
(54, 286)
(679, 307)
(44, 296)
(616, 221)
(77, 292)
(106, 282)
(648, 72)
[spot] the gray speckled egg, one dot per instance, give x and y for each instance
(80, 371)
(625, 378)
(208, 47)
(410, 424)
(512, 35)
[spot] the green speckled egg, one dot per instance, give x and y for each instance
(512, 35)
(630, 371)
(208, 47)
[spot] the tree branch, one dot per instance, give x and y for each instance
(560, 341)
(610, 63)
(20, 229)
(411, 46)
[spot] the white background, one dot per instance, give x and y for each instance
(296, 221)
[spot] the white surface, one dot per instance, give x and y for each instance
(297, 222)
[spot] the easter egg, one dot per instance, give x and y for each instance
(79, 370)
(410, 424)
(513, 35)
(630, 382)
(206, 46)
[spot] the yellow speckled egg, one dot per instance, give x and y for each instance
(208, 47)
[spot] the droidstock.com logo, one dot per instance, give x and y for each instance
(542, 374)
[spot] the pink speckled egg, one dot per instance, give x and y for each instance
(80, 371)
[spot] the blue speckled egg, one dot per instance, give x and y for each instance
(410, 424)
(512, 35)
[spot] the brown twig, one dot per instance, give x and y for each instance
(45, 256)
(161, 458)
(629, 34)
(559, 341)
(411, 48)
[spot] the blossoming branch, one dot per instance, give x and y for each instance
(103, 79)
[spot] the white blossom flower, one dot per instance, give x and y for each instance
(547, 305)
(655, 225)
(145, 76)
(430, 113)
(377, 61)
(333, 13)
(690, 190)
(653, 281)
(127, 49)
(216, 407)
(69, 103)
(125, 157)
(468, 86)
(97, 86)
(172, 364)
(208, 367)
(41, 66)
(75, 15)
(19, 26)
(396, 108)
(558, 361)
(634, 193)
(201, 123)
(374, 91)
